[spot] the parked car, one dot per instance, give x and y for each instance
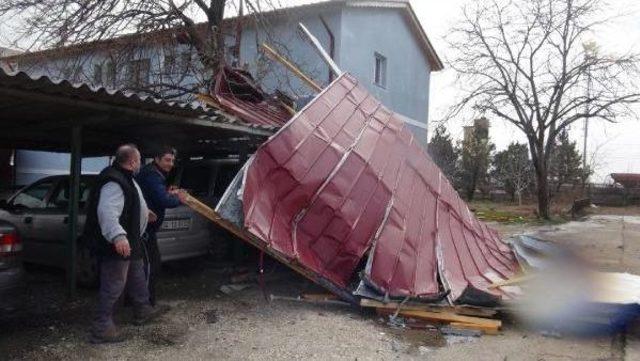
(40, 212)
(11, 271)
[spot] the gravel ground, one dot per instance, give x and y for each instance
(206, 324)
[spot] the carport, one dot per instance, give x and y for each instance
(59, 116)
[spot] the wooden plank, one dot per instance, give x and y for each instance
(513, 281)
(446, 317)
(213, 216)
(271, 53)
(461, 310)
(469, 326)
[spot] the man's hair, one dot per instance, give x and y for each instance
(124, 153)
(165, 149)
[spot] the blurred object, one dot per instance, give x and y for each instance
(561, 294)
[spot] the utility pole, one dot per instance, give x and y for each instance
(590, 50)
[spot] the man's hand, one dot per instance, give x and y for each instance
(122, 247)
(152, 217)
(182, 195)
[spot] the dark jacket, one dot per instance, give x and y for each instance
(153, 183)
(129, 219)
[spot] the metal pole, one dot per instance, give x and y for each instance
(586, 120)
(323, 54)
(74, 200)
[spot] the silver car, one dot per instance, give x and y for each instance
(40, 212)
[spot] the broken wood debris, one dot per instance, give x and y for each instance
(309, 300)
(486, 325)
(409, 306)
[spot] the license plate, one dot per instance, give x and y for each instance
(176, 224)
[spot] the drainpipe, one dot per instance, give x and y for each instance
(236, 49)
(332, 46)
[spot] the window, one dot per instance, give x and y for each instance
(34, 196)
(169, 64)
(110, 75)
(139, 72)
(196, 178)
(97, 74)
(185, 62)
(60, 198)
(224, 177)
(380, 72)
(71, 73)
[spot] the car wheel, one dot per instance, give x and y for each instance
(86, 268)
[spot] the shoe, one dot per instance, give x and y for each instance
(111, 335)
(148, 314)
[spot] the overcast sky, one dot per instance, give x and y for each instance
(616, 146)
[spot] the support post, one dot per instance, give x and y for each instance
(74, 200)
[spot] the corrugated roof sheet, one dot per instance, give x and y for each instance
(346, 182)
(45, 85)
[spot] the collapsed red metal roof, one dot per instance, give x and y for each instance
(628, 180)
(344, 190)
(235, 91)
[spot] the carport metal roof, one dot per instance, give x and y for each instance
(38, 112)
(44, 114)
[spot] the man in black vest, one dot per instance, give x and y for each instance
(116, 220)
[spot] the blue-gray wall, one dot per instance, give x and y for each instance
(366, 31)
(283, 36)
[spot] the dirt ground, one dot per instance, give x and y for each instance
(206, 324)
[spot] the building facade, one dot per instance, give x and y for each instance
(381, 43)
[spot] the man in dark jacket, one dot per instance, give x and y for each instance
(159, 197)
(116, 221)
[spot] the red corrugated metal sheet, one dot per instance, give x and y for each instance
(628, 180)
(345, 182)
(235, 91)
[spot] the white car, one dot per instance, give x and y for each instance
(40, 212)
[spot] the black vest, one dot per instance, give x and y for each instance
(129, 219)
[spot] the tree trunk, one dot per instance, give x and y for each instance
(540, 165)
(542, 185)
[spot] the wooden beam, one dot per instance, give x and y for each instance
(412, 306)
(446, 317)
(213, 216)
(271, 53)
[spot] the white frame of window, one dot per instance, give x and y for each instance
(380, 66)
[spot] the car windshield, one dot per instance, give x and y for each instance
(34, 196)
(196, 178)
(60, 198)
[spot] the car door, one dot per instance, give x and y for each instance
(28, 211)
(55, 219)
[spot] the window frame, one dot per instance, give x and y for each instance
(380, 70)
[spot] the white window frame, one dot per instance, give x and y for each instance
(380, 70)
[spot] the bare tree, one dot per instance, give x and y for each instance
(189, 35)
(524, 61)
